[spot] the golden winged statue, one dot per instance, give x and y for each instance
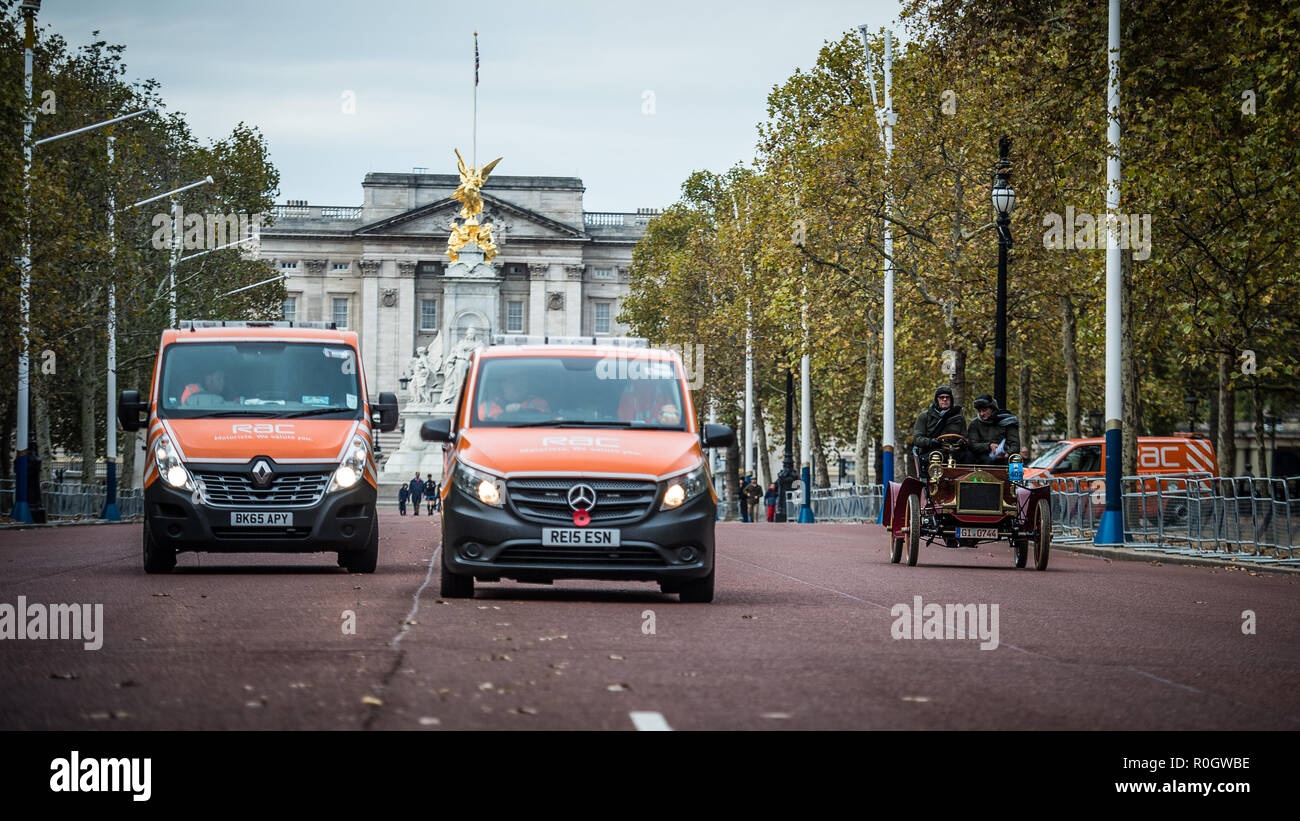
(467, 194)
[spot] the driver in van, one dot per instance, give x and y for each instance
(510, 397)
(943, 416)
(214, 382)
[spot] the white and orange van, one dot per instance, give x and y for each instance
(259, 439)
(577, 461)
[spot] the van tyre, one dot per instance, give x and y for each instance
(366, 559)
(157, 559)
(453, 586)
(697, 591)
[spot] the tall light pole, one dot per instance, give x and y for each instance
(1004, 200)
(1110, 530)
(885, 120)
(111, 513)
(176, 238)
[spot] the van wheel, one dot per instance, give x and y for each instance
(453, 586)
(363, 561)
(697, 591)
(157, 559)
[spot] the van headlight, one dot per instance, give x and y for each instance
(681, 489)
(353, 466)
(489, 490)
(169, 465)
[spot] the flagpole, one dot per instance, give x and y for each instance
(473, 152)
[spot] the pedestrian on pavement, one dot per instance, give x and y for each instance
(417, 491)
(430, 492)
(741, 501)
(403, 494)
(770, 499)
(943, 416)
(752, 494)
(437, 496)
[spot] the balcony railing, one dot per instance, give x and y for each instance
(343, 213)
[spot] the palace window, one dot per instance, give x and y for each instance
(340, 312)
(429, 315)
(602, 317)
(604, 273)
(291, 309)
(515, 317)
(341, 266)
(288, 266)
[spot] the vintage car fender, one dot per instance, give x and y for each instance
(1027, 499)
(896, 504)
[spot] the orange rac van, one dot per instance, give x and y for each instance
(259, 439)
(577, 459)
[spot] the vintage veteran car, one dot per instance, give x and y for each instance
(966, 505)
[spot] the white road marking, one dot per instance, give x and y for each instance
(648, 721)
(415, 600)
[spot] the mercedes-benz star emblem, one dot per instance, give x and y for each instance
(582, 497)
(262, 473)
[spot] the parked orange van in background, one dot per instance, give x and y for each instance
(259, 439)
(1085, 458)
(577, 461)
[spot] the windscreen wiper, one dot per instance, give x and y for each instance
(315, 412)
(227, 414)
(576, 423)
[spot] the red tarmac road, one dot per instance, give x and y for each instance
(799, 637)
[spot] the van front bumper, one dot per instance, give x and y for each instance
(491, 544)
(340, 521)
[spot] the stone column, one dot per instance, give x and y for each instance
(407, 309)
(316, 308)
(573, 299)
(537, 298)
(368, 310)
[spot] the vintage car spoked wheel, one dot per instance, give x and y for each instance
(913, 528)
(1020, 551)
(1043, 544)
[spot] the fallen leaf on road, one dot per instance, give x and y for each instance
(430, 721)
(356, 587)
(128, 683)
(253, 703)
(748, 616)
(916, 698)
(371, 700)
(528, 711)
(775, 715)
(248, 687)
(500, 657)
(487, 685)
(162, 595)
(298, 685)
(615, 657)
(553, 638)
(65, 676)
(618, 688)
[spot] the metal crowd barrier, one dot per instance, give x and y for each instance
(76, 500)
(843, 503)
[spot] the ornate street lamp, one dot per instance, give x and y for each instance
(1095, 419)
(1004, 200)
(1192, 404)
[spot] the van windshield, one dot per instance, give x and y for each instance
(556, 391)
(259, 379)
(1045, 461)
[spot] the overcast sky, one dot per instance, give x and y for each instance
(562, 85)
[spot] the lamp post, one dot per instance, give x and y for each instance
(786, 477)
(1271, 421)
(1095, 419)
(1004, 200)
(1192, 404)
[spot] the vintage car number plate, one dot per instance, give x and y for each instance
(977, 533)
(261, 518)
(563, 536)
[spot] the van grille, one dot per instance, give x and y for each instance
(287, 490)
(546, 500)
(580, 556)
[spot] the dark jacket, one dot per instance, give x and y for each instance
(1002, 425)
(403, 493)
(752, 491)
(772, 496)
(933, 423)
(417, 489)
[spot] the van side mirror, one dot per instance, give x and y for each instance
(717, 436)
(129, 408)
(387, 408)
(436, 430)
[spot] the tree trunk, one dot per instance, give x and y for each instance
(1130, 423)
(764, 469)
(1023, 410)
(89, 398)
(1261, 466)
(1070, 357)
(862, 450)
(40, 422)
(6, 453)
(730, 511)
(1227, 405)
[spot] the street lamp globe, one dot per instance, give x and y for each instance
(1004, 199)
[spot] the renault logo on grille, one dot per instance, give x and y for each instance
(262, 473)
(582, 497)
